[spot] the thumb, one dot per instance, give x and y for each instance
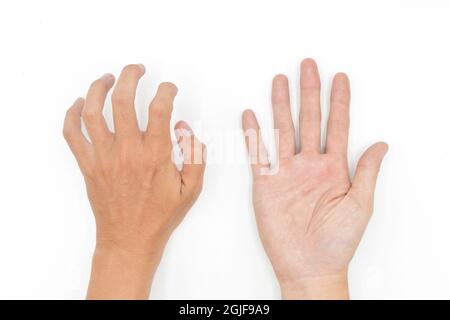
(365, 179)
(194, 153)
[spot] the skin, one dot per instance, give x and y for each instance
(135, 190)
(310, 215)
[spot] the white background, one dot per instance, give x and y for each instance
(222, 56)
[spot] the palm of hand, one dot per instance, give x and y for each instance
(310, 216)
(306, 218)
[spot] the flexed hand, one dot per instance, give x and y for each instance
(310, 216)
(136, 192)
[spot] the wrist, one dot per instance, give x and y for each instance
(120, 274)
(325, 287)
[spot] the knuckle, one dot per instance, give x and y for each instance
(119, 97)
(163, 99)
(67, 134)
(156, 110)
(73, 112)
(161, 105)
(88, 115)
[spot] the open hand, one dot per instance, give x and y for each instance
(310, 216)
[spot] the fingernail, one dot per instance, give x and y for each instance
(185, 126)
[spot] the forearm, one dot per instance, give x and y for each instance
(333, 287)
(117, 274)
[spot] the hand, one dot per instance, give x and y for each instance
(136, 192)
(310, 216)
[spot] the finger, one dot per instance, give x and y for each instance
(160, 112)
(124, 113)
(72, 130)
(256, 150)
(338, 120)
(193, 157)
(92, 113)
(282, 116)
(364, 181)
(309, 107)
